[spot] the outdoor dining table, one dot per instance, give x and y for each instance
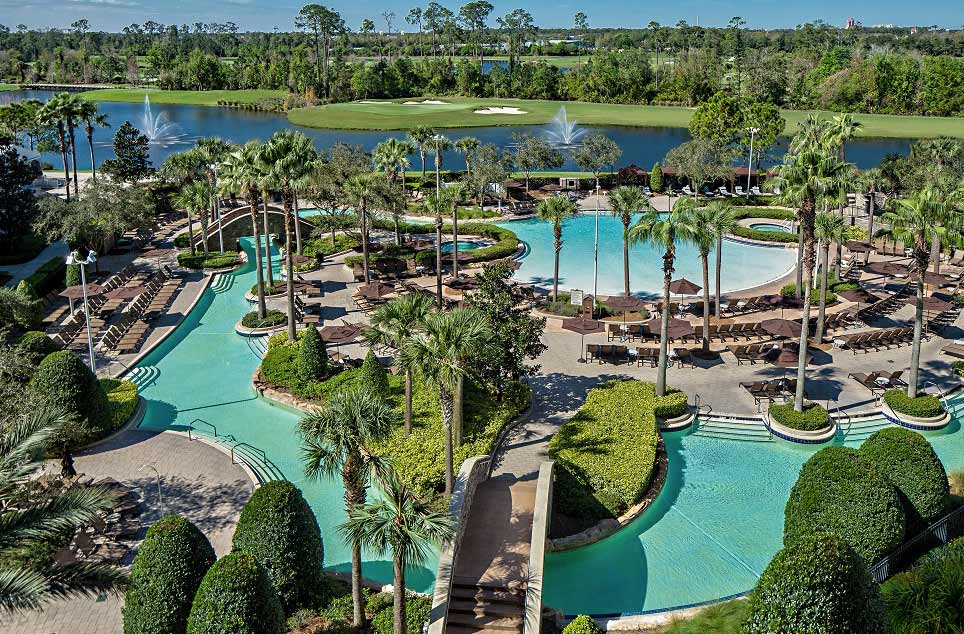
(583, 327)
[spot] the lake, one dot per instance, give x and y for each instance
(641, 145)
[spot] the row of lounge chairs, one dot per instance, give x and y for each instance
(770, 391)
(880, 381)
(751, 353)
(302, 314)
(885, 306)
(875, 340)
(127, 335)
(615, 353)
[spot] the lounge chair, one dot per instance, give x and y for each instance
(869, 381)
(739, 190)
(954, 350)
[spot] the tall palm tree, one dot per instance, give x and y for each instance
(439, 144)
(806, 178)
(827, 229)
(662, 232)
(70, 107)
(917, 221)
(49, 116)
(421, 135)
(87, 111)
(265, 182)
(441, 353)
(407, 526)
(468, 146)
(31, 518)
(454, 195)
(872, 181)
(626, 201)
(362, 190)
(556, 210)
(337, 439)
(391, 156)
(242, 171)
(194, 198)
(700, 233)
(287, 153)
(723, 223)
(211, 152)
(392, 325)
(438, 204)
(843, 127)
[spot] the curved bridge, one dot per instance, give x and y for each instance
(236, 224)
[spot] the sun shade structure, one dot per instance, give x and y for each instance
(859, 295)
(789, 358)
(582, 326)
(887, 268)
(933, 279)
(125, 292)
(781, 327)
(677, 327)
(375, 290)
(683, 286)
(931, 304)
(858, 246)
(77, 292)
(340, 334)
(624, 304)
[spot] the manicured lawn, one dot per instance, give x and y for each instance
(188, 97)
(459, 112)
(6, 87)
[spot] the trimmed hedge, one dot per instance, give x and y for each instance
(817, 584)
(271, 318)
(34, 346)
(924, 406)
(790, 290)
(209, 261)
(909, 463)
(813, 417)
(236, 597)
(277, 289)
(165, 575)
(374, 376)
(121, 401)
(27, 247)
(609, 446)
(927, 598)
(64, 382)
(582, 624)
(417, 611)
(742, 213)
(48, 277)
(279, 529)
(312, 356)
(324, 246)
(838, 492)
(280, 366)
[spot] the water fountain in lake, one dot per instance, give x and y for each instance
(158, 129)
(563, 132)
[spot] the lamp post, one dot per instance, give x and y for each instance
(74, 258)
(217, 205)
(749, 171)
(595, 258)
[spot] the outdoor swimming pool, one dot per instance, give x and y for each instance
(769, 226)
(744, 265)
(464, 245)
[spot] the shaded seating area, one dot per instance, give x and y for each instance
(772, 390)
(880, 381)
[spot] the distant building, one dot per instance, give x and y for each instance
(851, 23)
(914, 30)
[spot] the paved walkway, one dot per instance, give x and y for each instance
(19, 272)
(196, 481)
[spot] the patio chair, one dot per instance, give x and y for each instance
(739, 190)
(895, 378)
(869, 381)
(757, 390)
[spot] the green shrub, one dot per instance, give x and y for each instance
(64, 382)
(813, 417)
(958, 367)
(417, 611)
(48, 277)
(374, 376)
(790, 290)
(656, 179)
(582, 624)
(26, 248)
(855, 232)
(909, 463)
(279, 529)
(209, 261)
(927, 598)
(236, 597)
(817, 584)
(924, 406)
(34, 346)
(840, 493)
(280, 339)
(271, 318)
(312, 356)
(719, 618)
(73, 275)
(278, 289)
(609, 446)
(280, 367)
(121, 401)
(672, 405)
(764, 236)
(182, 241)
(165, 576)
(323, 246)
(322, 390)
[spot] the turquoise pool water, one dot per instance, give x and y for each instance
(204, 372)
(744, 265)
(464, 245)
(767, 226)
(710, 533)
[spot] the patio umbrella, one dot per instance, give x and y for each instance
(789, 358)
(375, 290)
(858, 246)
(931, 304)
(551, 188)
(933, 279)
(781, 327)
(683, 286)
(513, 184)
(515, 265)
(77, 292)
(125, 292)
(887, 268)
(677, 327)
(859, 295)
(338, 334)
(465, 257)
(298, 260)
(583, 327)
(158, 254)
(421, 245)
(624, 304)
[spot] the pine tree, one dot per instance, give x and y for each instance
(374, 376)
(312, 356)
(656, 179)
(133, 160)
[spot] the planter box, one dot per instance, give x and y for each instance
(783, 432)
(916, 423)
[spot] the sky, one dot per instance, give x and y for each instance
(265, 15)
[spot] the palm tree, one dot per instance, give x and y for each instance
(723, 223)
(337, 439)
(405, 525)
(87, 111)
(212, 151)
(439, 144)
(700, 232)
(441, 354)
(265, 182)
(556, 210)
(287, 153)
(242, 171)
(362, 190)
(70, 107)
(421, 135)
(808, 177)
(438, 204)
(662, 232)
(626, 201)
(392, 325)
(468, 145)
(843, 127)
(827, 228)
(454, 195)
(32, 518)
(193, 198)
(48, 116)
(391, 156)
(873, 182)
(918, 221)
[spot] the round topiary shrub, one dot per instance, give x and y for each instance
(312, 356)
(236, 596)
(34, 346)
(819, 585)
(838, 492)
(64, 382)
(418, 610)
(909, 463)
(582, 624)
(279, 528)
(271, 319)
(165, 576)
(374, 376)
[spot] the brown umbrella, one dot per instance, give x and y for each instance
(513, 184)
(933, 279)
(859, 295)
(551, 188)
(858, 246)
(375, 290)
(789, 358)
(340, 333)
(465, 257)
(460, 283)
(677, 327)
(683, 286)
(125, 292)
(584, 327)
(624, 304)
(931, 304)
(77, 292)
(298, 260)
(887, 268)
(158, 254)
(421, 245)
(781, 327)
(515, 265)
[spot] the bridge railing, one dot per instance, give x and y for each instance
(940, 532)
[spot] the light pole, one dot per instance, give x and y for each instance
(595, 257)
(74, 258)
(749, 171)
(217, 205)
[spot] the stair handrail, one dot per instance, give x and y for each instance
(191, 426)
(842, 414)
(258, 451)
(940, 392)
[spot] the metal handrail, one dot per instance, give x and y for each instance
(841, 414)
(882, 570)
(199, 420)
(940, 392)
(258, 451)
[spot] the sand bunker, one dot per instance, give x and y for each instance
(500, 110)
(370, 101)
(427, 102)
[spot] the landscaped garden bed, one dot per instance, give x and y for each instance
(924, 412)
(209, 261)
(251, 323)
(812, 425)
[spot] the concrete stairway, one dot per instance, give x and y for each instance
(478, 607)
